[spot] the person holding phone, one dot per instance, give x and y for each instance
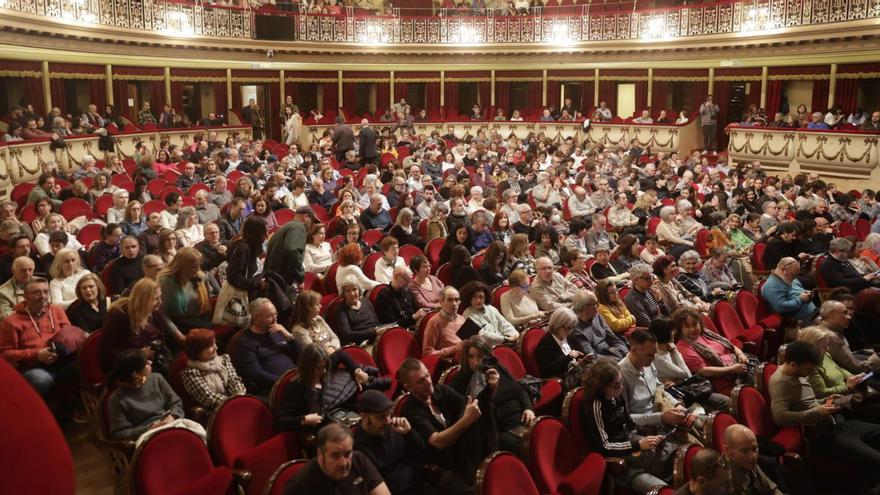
(793, 404)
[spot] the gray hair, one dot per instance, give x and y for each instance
(840, 244)
(666, 211)
(870, 240)
(581, 299)
(684, 205)
(686, 256)
(639, 270)
(767, 204)
(829, 306)
(183, 215)
(257, 305)
(562, 317)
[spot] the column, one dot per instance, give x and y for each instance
(832, 85)
(595, 88)
(339, 90)
(228, 92)
(492, 92)
(282, 95)
(711, 84)
(168, 87)
(763, 87)
(391, 90)
(442, 90)
(108, 82)
(650, 89)
(544, 88)
(47, 87)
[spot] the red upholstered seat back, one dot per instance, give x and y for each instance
(89, 365)
(767, 370)
(239, 424)
(372, 236)
(702, 243)
(330, 280)
(653, 222)
(359, 355)
(728, 321)
(89, 234)
(284, 215)
(103, 203)
(447, 376)
(284, 473)
(747, 307)
(433, 251)
(754, 412)
(369, 265)
(758, 256)
(278, 388)
(503, 473)
(408, 252)
(688, 457)
(510, 360)
(820, 280)
(719, 424)
(571, 415)
(444, 273)
(36, 458)
(176, 381)
(496, 295)
(528, 342)
(392, 348)
(73, 207)
(171, 460)
(551, 453)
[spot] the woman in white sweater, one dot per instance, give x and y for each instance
(65, 272)
(318, 257)
(517, 306)
(495, 328)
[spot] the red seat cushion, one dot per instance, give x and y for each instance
(262, 461)
(790, 438)
(215, 482)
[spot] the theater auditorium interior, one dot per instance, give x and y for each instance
(485, 247)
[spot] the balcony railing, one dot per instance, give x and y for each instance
(191, 19)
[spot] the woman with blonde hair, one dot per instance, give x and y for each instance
(117, 212)
(65, 271)
(137, 322)
(54, 223)
(88, 311)
(189, 231)
(307, 325)
(185, 294)
(518, 255)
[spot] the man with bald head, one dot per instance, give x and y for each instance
(741, 449)
(367, 143)
(785, 294)
(12, 292)
(551, 290)
(395, 303)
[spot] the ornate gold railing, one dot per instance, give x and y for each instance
(727, 17)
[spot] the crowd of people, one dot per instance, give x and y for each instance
(618, 253)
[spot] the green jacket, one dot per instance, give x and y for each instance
(829, 378)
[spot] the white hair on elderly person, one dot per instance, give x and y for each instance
(562, 318)
(667, 211)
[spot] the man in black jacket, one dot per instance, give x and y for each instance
(367, 143)
(395, 303)
(343, 139)
(837, 271)
(783, 245)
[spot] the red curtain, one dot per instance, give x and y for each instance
(273, 119)
(432, 100)
(502, 97)
(349, 94)
(120, 98)
(451, 100)
(641, 97)
(156, 95)
(846, 93)
(534, 104)
(721, 95)
(700, 91)
(59, 96)
(177, 96)
(237, 104)
(659, 93)
(400, 91)
(587, 101)
(33, 91)
(554, 95)
(485, 91)
(383, 95)
(98, 93)
(330, 105)
(820, 96)
(774, 97)
(608, 94)
(221, 106)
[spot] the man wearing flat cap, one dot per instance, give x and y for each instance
(390, 443)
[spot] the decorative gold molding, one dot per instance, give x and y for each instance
(681, 78)
(306, 79)
(21, 73)
(737, 78)
(198, 79)
(367, 80)
(74, 75)
(518, 79)
(623, 78)
(858, 75)
(255, 79)
(798, 77)
(137, 77)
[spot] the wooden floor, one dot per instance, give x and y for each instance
(94, 475)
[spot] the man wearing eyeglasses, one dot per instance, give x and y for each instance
(785, 294)
(395, 303)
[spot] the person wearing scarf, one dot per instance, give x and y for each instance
(708, 354)
(209, 378)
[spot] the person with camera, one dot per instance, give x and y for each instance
(514, 411)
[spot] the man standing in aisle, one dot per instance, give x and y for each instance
(709, 121)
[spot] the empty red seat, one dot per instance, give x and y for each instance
(284, 215)
(282, 475)
(716, 424)
(176, 461)
(369, 265)
(551, 390)
(89, 234)
(554, 461)
(372, 236)
(503, 473)
(408, 252)
(732, 328)
(528, 341)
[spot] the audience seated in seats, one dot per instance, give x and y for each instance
(385, 265)
(669, 231)
(317, 255)
(395, 302)
(838, 271)
(168, 245)
(695, 281)
(13, 290)
(554, 355)
(785, 294)
(460, 431)
(592, 336)
(320, 390)
(831, 380)
(232, 221)
(46, 188)
(784, 245)
(206, 211)
(597, 235)
(425, 288)
(612, 433)
(375, 216)
(793, 403)
(349, 259)
(149, 238)
(90, 307)
(672, 294)
(213, 252)
(189, 231)
(55, 223)
(185, 292)
(671, 367)
(494, 328)
(441, 332)
(550, 289)
(133, 222)
(391, 444)
(209, 378)
(512, 406)
(34, 340)
(640, 390)
(578, 273)
(265, 350)
(137, 322)
(613, 310)
(308, 327)
(242, 266)
(493, 269)
(741, 453)
(143, 403)
(603, 269)
(337, 467)
(459, 234)
(710, 355)
(518, 306)
(355, 319)
(461, 267)
(66, 272)
(710, 473)
(836, 317)
(168, 216)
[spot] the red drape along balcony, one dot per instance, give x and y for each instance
(27, 75)
(431, 80)
(151, 81)
(695, 84)
(724, 80)
(213, 78)
(777, 77)
(847, 86)
(270, 82)
(94, 77)
(452, 93)
(585, 78)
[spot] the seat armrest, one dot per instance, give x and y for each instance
(242, 477)
(585, 477)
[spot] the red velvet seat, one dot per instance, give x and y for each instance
(102, 204)
(330, 280)
(278, 388)
(359, 355)
(447, 376)
(528, 341)
(284, 215)
(36, 458)
(320, 213)
(496, 295)
(190, 406)
(732, 328)
(752, 312)
(123, 181)
(153, 206)
(551, 391)
(863, 228)
(433, 252)
(176, 461)
(749, 406)
(29, 213)
(372, 236)
(554, 461)
(20, 192)
(199, 186)
(369, 265)
(681, 471)
(715, 426)
(762, 379)
(89, 234)
(653, 222)
(90, 374)
(408, 252)
(701, 244)
(374, 293)
(444, 273)
(392, 348)
(503, 473)
(282, 475)
(155, 186)
(73, 207)
(240, 436)
(758, 257)
(313, 282)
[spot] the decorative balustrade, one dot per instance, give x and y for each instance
(190, 19)
(847, 154)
